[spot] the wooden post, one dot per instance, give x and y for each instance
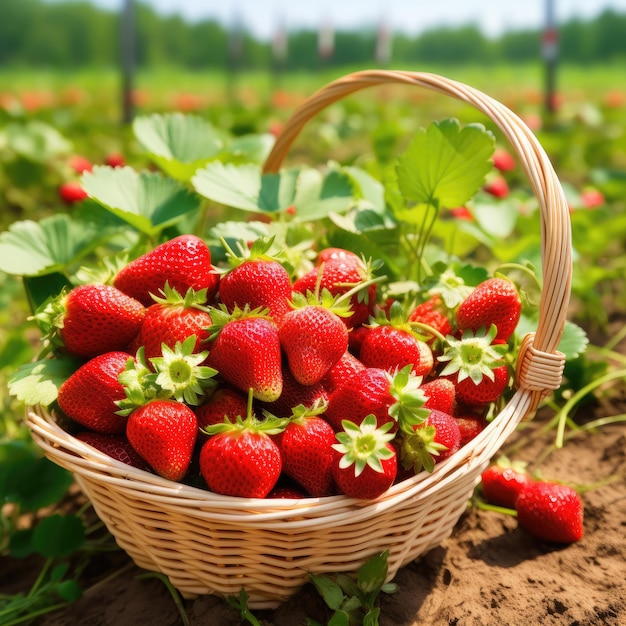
(128, 60)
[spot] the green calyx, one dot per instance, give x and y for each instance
(450, 288)
(49, 318)
(220, 316)
(419, 449)
(473, 356)
(171, 297)
(176, 374)
(408, 409)
(270, 425)
(260, 250)
(300, 413)
(399, 319)
(324, 299)
(364, 445)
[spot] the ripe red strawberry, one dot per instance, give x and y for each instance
(440, 394)
(287, 493)
(503, 481)
(72, 192)
(430, 442)
(503, 160)
(224, 402)
(241, 458)
(494, 301)
(395, 398)
(256, 279)
(164, 432)
(184, 262)
(551, 512)
(116, 446)
(470, 425)
(497, 187)
(432, 313)
(313, 336)
(90, 394)
(115, 159)
(244, 348)
(173, 318)
(93, 319)
(306, 449)
(295, 393)
(338, 254)
(391, 348)
(341, 274)
(345, 368)
(365, 463)
(475, 365)
(80, 164)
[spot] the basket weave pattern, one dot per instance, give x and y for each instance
(212, 544)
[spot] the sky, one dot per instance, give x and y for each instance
(262, 18)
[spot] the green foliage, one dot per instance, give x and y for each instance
(353, 601)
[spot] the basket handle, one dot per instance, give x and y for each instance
(540, 365)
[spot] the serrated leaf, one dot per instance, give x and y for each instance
(574, 341)
(497, 219)
(179, 143)
(445, 165)
(32, 248)
(148, 201)
(248, 149)
(37, 383)
(240, 186)
(318, 195)
(36, 141)
(58, 536)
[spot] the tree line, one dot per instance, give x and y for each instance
(75, 33)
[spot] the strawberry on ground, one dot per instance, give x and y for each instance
(313, 336)
(184, 262)
(365, 463)
(494, 301)
(306, 449)
(503, 480)
(244, 348)
(256, 279)
(164, 432)
(116, 446)
(92, 319)
(71, 192)
(551, 512)
(90, 394)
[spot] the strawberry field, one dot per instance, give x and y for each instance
(192, 305)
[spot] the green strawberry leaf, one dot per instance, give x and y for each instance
(372, 574)
(179, 144)
(30, 248)
(37, 383)
(444, 165)
(497, 219)
(36, 141)
(574, 341)
(148, 201)
(313, 195)
(58, 536)
(248, 149)
(330, 591)
(244, 187)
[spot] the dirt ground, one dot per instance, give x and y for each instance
(488, 572)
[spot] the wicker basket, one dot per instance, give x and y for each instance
(211, 544)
